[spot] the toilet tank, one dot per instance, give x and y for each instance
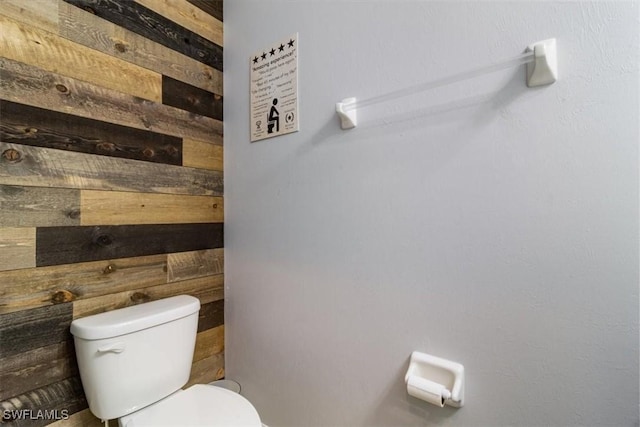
(132, 357)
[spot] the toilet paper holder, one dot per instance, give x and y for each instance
(435, 380)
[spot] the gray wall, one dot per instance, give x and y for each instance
(484, 222)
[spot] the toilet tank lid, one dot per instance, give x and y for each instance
(136, 318)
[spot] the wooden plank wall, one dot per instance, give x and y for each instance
(111, 182)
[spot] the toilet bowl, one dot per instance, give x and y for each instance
(134, 361)
(198, 406)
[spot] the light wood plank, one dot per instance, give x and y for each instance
(45, 50)
(209, 343)
(189, 16)
(115, 208)
(203, 155)
(89, 30)
(30, 85)
(190, 265)
(17, 248)
(41, 14)
(43, 286)
(207, 370)
(207, 289)
(38, 207)
(83, 418)
(45, 167)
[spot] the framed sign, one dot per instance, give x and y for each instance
(274, 89)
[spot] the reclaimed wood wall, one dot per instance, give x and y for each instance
(111, 181)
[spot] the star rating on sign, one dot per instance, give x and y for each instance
(272, 52)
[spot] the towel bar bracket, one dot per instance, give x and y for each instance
(348, 116)
(543, 70)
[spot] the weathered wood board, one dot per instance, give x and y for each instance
(212, 7)
(190, 98)
(89, 30)
(17, 248)
(115, 208)
(191, 17)
(211, 315)
(207, 370)
(149, 24)
(47, 51)
(38, 14)
(25, 124)
(45, 167)
(209, 343)
(65, 245)
(206, 289)
(44, 365)
(23, 83)
(26, 330)
(66, 395)
(202, 155)
(37, 206)
(38, 287)
(190, 265)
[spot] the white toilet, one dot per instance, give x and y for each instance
(134, 361)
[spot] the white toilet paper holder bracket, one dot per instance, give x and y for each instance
(442, 373)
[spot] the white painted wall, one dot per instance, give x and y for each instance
(487, 223)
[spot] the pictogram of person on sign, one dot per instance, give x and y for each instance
(274, 118)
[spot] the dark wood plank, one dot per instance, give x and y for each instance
(211, 315)
(64, 245)
(45, 167)
(30, 85)
(36, 368)
(28, 329)
(38, 206)
(212, 7)
(152, 25)
(186, 97)
(24, 124)
(60, 399)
